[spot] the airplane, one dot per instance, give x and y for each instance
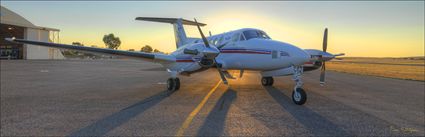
(242, 49)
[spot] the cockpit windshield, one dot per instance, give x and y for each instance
(249, 34)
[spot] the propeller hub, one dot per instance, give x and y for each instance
(326, 56)
(210, 52)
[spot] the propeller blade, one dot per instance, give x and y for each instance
(325, 40)
(340, 54)
(202, 34)
(322, 73)
(223, 78)
(190, 51)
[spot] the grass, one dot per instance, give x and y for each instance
(400, 68)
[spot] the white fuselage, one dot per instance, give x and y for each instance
(241, 51)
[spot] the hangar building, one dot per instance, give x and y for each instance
(14, 25)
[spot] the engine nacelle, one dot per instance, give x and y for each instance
(312, 65)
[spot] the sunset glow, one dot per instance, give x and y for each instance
(366, 29)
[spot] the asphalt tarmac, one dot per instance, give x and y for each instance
(129, 98)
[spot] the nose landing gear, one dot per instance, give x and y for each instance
(299, 96)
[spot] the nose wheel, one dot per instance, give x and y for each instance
(299, 96)
(267, 81)
(173, 84)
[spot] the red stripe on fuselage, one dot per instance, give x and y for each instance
(186, 60)
(245, 52)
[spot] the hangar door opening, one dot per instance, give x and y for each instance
(9, 50)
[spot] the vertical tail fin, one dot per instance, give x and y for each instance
(179, 33)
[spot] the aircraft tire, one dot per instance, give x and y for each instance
(271, 81)
(171, 86)
(267, 81)
(177, 83)
(299, 97)
(264, 81)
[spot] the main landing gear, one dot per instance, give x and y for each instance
(299, 96)
(267, 81)
(173, 84)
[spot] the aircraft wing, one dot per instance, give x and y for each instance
(127, 54)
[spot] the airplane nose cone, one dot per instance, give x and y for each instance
(296, 56)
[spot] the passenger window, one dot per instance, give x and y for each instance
(220, 40)
(210, 41)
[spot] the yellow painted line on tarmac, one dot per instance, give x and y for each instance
(198, 108)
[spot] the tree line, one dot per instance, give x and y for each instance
(111, 42)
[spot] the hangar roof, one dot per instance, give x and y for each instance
(9, 17)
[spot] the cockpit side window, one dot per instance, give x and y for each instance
(235, 37)
(249, 34)
(264, 35)
(242, 38)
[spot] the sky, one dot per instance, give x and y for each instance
(359, 29)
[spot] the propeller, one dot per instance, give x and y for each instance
(211, 52)
(325, 46)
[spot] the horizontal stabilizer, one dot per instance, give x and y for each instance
(169, 20)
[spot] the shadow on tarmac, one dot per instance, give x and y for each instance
(312, 121)
(103, 126)
(215, 121)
